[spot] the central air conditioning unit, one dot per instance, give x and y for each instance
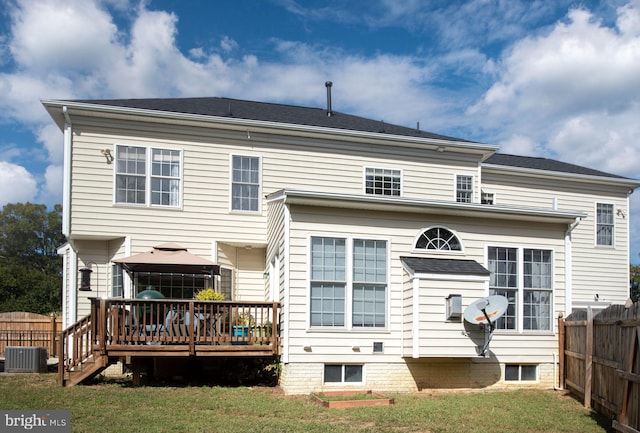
(25, 359)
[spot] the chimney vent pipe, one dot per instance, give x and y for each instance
(328, 84)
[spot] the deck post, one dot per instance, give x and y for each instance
(274, 331)
(136, 372)
(102, 326)
(61, 363)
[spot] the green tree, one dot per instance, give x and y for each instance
(634, 282)
(30, 268)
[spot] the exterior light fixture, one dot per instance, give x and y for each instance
(107, 154)
(85, 279)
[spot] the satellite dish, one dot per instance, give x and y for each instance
(486, 311)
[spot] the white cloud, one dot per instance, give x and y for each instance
(228, 44)
(575, 91)
(51, 191)
(51, 136)
(19, 185)
(72, 36)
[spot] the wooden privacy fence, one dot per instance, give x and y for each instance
(29, 329)
(600, 362)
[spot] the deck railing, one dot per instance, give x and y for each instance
(178, 321)
(129, 328)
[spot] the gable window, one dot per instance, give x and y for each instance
(380, 181)
(525, 278)
(438, 238)
(334, 287)
(245, 183)
(604, 224)
(464, 188)
(148, 176)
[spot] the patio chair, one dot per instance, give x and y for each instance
(177, 323)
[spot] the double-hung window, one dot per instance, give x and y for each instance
(245, 183)
(328, 281)
(604, 224)
(382, 181)
(369, 283)
(503, 265)
(525, 277)
(148, 176)
(537, 290)
(464, 189)
(348, 286)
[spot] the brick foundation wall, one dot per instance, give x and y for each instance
(413, 375)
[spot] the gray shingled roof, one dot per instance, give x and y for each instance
(444, 266)
(296, 115)
(544, 164)
(268, 112)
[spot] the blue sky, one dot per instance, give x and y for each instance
(553, 78)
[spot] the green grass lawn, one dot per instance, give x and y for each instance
(117, 407)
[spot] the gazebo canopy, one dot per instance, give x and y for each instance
(169, 258)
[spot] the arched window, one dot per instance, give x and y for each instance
(438, 238)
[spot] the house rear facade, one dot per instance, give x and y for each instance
(374, 238)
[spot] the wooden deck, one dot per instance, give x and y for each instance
(130, 330)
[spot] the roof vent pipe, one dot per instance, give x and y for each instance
(328, 84)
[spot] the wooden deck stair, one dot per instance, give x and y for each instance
(86, 370)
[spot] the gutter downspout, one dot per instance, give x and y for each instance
(66, 178)
(568, 267)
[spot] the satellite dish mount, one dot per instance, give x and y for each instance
(484, 312)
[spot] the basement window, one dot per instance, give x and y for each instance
(520, 373)
(342, 373)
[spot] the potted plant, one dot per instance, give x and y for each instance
(243, 322)
(209, 295)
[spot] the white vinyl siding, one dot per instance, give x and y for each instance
(596, 269)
